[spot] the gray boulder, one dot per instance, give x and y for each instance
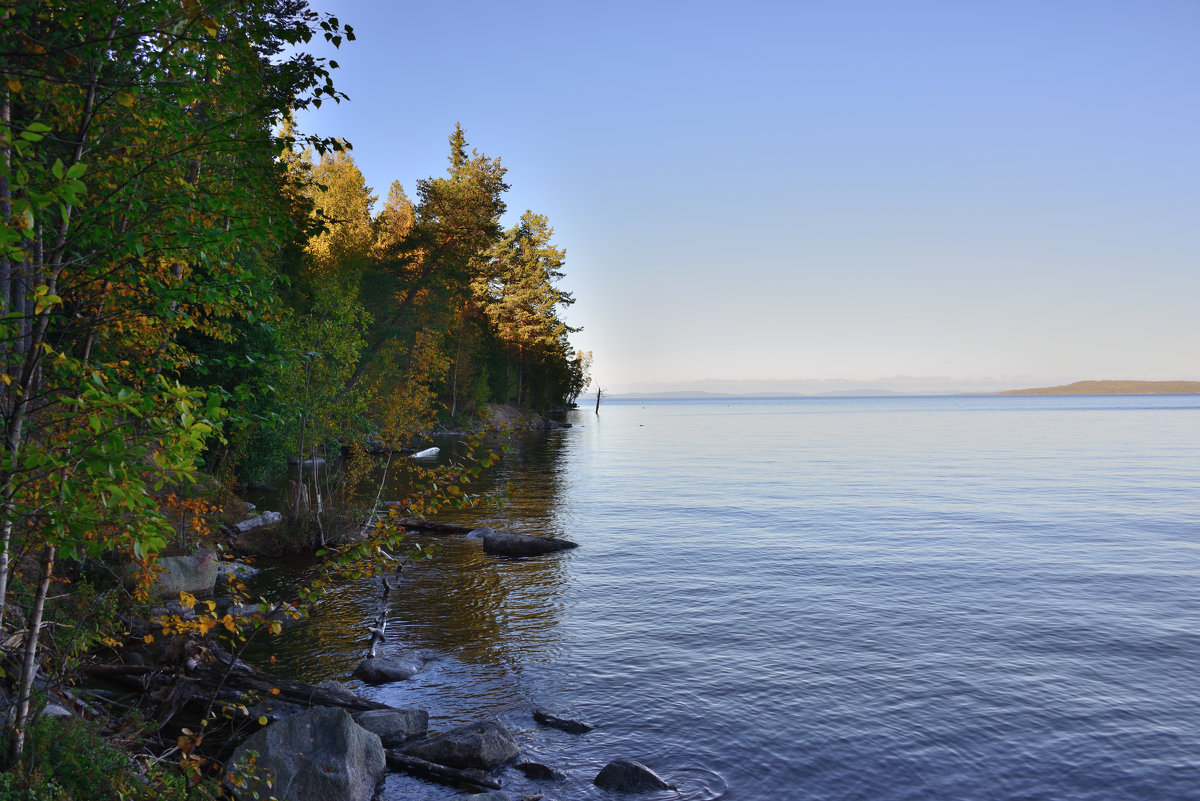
(394, 726)
(627, 776)
(490, 795)
(480, 745)
(57, 711)
(314, 755)
(510, 543)
(238, 570)
(563, 724)
(386, 669)
(196, 574)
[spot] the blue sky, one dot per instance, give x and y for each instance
(861, 189)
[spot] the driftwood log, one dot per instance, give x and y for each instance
(426, 526)
(421, 767)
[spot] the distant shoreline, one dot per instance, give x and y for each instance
(1115, 387)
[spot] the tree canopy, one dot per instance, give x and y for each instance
(186, 281)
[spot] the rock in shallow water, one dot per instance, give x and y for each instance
(510, 543)
(628, 776)
(563, 724)
(480, 745)
(386, 669)
(539, 772)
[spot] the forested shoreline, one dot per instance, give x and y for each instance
(193, 290)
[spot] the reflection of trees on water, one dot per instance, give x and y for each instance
(479, 608)
(533, 471)
(486, 608)
(329, 643)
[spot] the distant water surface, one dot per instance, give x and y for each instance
(882, 599)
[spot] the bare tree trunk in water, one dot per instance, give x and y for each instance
(599, 395)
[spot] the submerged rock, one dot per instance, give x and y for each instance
(563, 724)
(510, 543)
(628, 776)
(314, 755)
(539, 772)
(394, 726)
(480, 745)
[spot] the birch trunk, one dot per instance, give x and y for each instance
(29, 660)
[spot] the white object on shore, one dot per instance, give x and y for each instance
(426, 454)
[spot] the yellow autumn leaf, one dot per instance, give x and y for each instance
(149, 638)
(14, 85)
(274, 691)
(125, 99)
(187, 599)
(262, 720)
(228, 623)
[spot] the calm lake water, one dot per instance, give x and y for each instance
(826, 599)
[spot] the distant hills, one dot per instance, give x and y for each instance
(1077, 388)
(1115, 388)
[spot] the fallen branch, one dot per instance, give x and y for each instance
(378, 629)
(428, 527)
(421, 767)
(241, 678)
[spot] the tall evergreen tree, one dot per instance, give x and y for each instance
(519, 293)
(456, 219)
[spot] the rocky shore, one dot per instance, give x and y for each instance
(310, 742)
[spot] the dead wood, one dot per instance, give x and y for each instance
(421, 767)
